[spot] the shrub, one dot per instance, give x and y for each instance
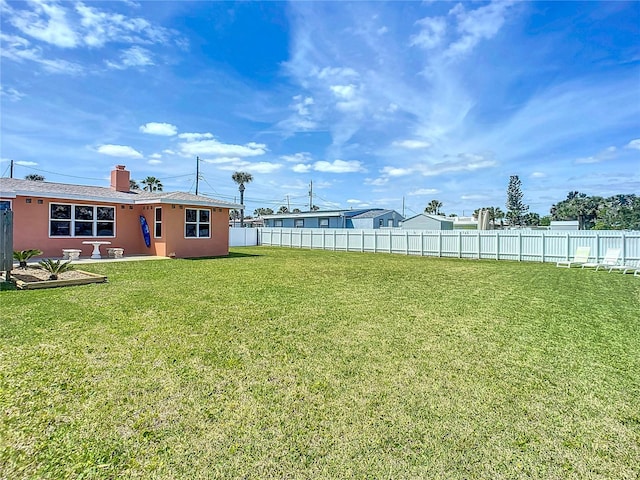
(23, 256)
(55, 267)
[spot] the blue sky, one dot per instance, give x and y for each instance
(376, 103)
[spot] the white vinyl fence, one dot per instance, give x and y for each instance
(521, 245)
(243, 237)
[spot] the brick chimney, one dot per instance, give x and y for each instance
(120, 179)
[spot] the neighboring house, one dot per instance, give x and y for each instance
(54, 216)
(564, 225)
(361, 219)
(464, 223)
(424, 221)
(377, 219)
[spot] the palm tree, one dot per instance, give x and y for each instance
(434, 207)
(133, 185)
(241, 178)
(152, 184)
(34, 177)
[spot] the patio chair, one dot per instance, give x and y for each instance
(610, 258)
(629, 266)
(580, 257)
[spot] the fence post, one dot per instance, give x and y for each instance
(6, 242)
(422, 243)
(543, 236)
(497, 246)
(479, 244)
(406, 239)
(519, 245)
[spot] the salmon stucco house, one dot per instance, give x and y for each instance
(55, 216)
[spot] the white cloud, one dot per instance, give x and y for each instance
(191, 137)
(353, 200)
(215, 148)
(346, 92)
(11, 94)
(222, 160)
(68, 25)
(20, 49)
(301, 168)
(132, 57)
(263, 167)
(302, 118)
(25, 163)
(300, 157)
(119, 151)
(155, 128)
(411, 144)
(396, 171)
(606, 154)
(538, 175)
(476, 25)
(376, 182)
(47, 22)
(432, 32)
(301, 105)
(474, 197)
(425, 191)
(339, 166)
(469, 163)
(634, 144)
(169, 152)
(336, 73)
(155, 156)
(154, 162)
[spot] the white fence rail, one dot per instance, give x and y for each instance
(521, 245)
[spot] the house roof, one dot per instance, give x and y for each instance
(318, 213)
(13, 187)
(433, 217)
(373, 213)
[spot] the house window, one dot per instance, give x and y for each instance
(324, 223)
(157, 223)
(298, 223)
(197, 223)
(5, 205)
(67, 220)
(381, 223)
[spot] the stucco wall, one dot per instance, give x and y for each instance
(31, 230)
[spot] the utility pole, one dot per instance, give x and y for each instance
(11, 170)
(288, 205)
(403, 206)
(197, 173)
(311, 195)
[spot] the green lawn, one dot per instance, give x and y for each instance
(285, 363)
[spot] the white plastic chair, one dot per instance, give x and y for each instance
(610, 258)
(580, 257)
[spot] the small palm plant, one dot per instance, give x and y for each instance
(22, 256)
(55, 267)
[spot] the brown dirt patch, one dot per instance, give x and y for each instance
(37, 274)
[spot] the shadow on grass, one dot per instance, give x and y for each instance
(224, 257)
(4, 285)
